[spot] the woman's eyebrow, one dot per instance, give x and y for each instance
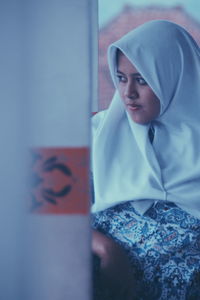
(134, 74)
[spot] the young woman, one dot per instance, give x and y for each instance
(146, 168)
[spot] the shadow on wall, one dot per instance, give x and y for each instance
(129, 18)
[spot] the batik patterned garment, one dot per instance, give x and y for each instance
(163, 246)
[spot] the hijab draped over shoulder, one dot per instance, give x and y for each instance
(125, 165)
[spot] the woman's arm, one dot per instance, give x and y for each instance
(115, 269)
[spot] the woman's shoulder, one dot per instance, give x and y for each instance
(97, 118)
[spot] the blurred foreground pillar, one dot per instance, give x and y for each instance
(61, 38)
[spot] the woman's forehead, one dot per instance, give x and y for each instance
(125, 65)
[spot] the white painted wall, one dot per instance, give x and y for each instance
(13, 148)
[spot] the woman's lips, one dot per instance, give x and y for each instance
(133, 107)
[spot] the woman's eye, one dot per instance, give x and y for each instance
(141, 81)
(121, 78)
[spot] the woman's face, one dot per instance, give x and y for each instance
(140, 101)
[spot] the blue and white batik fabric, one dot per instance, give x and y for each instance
(163, 246)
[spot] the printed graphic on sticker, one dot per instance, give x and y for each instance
(60, 181)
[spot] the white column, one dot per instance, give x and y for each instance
(60, 78)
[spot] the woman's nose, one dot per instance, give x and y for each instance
(131, 91)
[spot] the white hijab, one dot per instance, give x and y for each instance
(126, 166)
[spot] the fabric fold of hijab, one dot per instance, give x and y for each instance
(125, 165)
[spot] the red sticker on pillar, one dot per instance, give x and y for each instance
(60, 181)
